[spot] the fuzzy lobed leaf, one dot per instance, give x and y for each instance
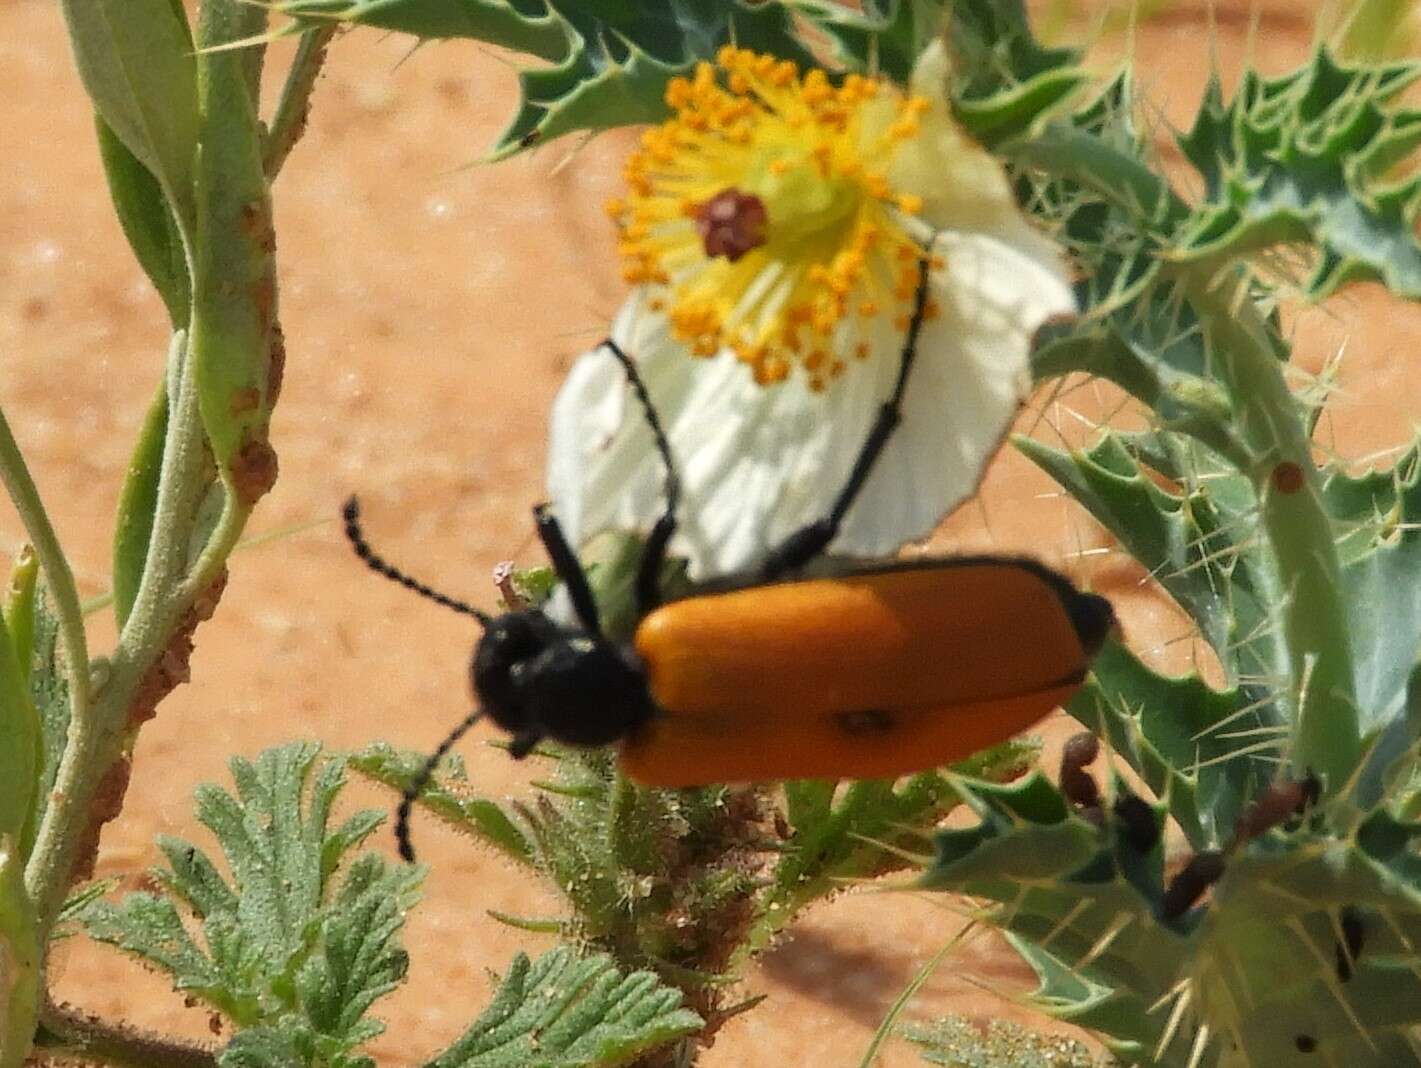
(293, 955)
(568, 1011)
(447, 797)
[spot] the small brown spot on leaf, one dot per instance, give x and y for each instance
(254, 471)
(245, 400)
(276, 363)
(1288, 477)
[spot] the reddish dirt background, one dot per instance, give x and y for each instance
(431, 305)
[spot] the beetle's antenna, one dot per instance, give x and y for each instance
(421, 780)
(351, 514)
(653, 420)
(648, 579)
(809, 541)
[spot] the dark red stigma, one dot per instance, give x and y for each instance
(731, 223)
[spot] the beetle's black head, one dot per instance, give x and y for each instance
(538, 680)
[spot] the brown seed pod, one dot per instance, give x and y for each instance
(1137, 821)
(1077, 784)
(1277, 804)
(1185, 889)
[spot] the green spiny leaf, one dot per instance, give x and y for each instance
(1307, 157)
(886, 36)
(861, 831)
(996, 51)
(521, 27)
(610, 61)
(1184, 739)
(1376, 513)
(1061, 882)
(1196, 550)
(565, 1011)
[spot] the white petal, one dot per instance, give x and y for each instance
(969, 378)
(757, 463)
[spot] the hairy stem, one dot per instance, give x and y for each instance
(57, 574)
(96, 734)
(294, 105)
(67, 1033)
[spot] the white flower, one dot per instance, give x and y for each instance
(775, 230)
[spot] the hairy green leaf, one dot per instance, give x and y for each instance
(234, 336)
(20, 959)
(49, 690)
(566, 1011)
(21, 731)
(447, 798)
(17, 608)
(147, 222)
(136, 61)
(293, 957)
(137, 504)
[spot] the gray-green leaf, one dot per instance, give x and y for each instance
(136, 61)
(566, 1011)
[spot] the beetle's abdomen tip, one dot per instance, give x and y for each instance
(1093, 618)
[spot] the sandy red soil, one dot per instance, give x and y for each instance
(431, 305)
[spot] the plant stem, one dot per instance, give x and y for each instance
(67, 1033)
(1325, 733)
(96, 736)
(294, 105)
(57, 574)
(1122, 179)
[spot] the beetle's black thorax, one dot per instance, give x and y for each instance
(536, 679)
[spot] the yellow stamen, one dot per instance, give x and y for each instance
(817, 244)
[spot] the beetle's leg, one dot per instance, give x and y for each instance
(648, 577)
(568, 568)
(809, 541)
